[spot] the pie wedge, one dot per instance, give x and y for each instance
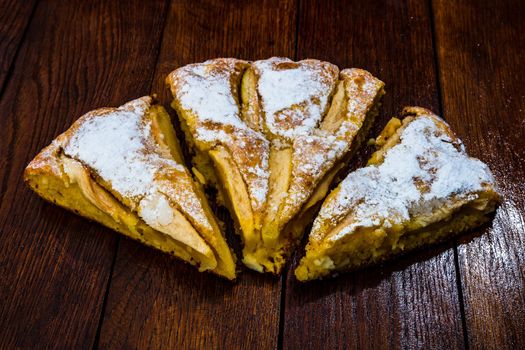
(419, 187)
(271, 135)
(123, 168)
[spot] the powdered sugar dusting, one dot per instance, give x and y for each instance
(316, 150)
(313, 156)
(118, 145)
(208, 91)
(294, 95)
(363, 89)
(113, 145)
(260, 176)
(420, 173)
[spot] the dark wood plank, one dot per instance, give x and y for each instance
(411, 302)
(481, 50)
(14, 18)
(55, 266)
(155, 301)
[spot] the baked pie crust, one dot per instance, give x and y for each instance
(271, 135)
(122, 167)
(419, 187)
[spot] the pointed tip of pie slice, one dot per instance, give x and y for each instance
(419, 188)
(121, 167)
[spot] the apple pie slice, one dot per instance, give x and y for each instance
(276, 132)
(123, 168)
(419, 187)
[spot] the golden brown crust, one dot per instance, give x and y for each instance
(286, 120)
(420, 187)
(67, 173)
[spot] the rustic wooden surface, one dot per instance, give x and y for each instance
(68, 283)
(413, 301)
(55, 266)
(481, 50)
(14, 17)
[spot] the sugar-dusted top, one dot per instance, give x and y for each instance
(291, 100)
(419, 174)
(118, 145)
(209, 92)
(317, 150)
(294, 94)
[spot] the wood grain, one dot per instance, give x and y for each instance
(14, 18)
(155, 301)
(481, 50)
(68, 283)
(411, 302)
(55, 266)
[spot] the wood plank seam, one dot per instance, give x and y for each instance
(460, 295)
(15, 56)
(440, 112)
(284, 275)
(410, 302)
(38, 320)
(234, 35)
(168, 4)
(106, 294)
(3, 88)
(481, 50)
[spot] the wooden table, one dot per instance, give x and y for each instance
(68, 283)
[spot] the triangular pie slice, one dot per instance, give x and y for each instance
(123, 168)
(276, 132)
(419, 187)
